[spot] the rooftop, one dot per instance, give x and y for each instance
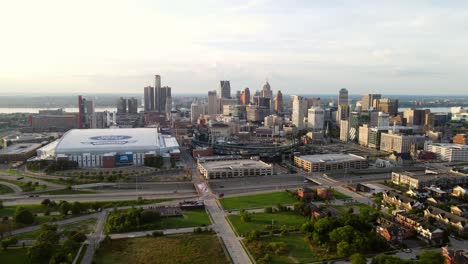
(332, 158)
(19, 148)
(235, 164)
(450, 145)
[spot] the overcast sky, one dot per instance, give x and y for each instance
(99, 46)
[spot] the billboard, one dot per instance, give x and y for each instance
(121, 159)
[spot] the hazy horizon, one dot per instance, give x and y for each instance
(300, 47)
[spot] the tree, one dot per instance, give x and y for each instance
(431, 257)
(245, 216)
(23, 216)
(65, 207)
(8, 242)
(77, 208)
(45, 202)
(358, 259)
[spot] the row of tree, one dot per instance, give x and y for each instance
(132, 219)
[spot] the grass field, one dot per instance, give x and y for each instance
(263, 221)
(257, 200)
(14, 256)
(192, 218)
(339, 195)
(5, 189)
(23, 185)
(299, 251)
(186, 248)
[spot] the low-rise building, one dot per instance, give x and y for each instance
(460, 139)
(448, 152)
(305, 193)
(401, 201)
(458, 223)
(19, 152)
(401, 143)
(422, 179)
(330, 162)
(424, 230)
(459, 191)
(234, 168)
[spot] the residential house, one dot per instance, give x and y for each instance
(305, 193)
(401, 201)
(458, 223)
(460, 210)
(454, 256)
(424, 230)
(459, 191)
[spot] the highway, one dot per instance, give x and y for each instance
(16, 189)
(119, 196)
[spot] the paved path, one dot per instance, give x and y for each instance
(223, 229)
(12, 186)
(95, 238)
(149, 232)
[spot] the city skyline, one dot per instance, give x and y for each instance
(300, 48)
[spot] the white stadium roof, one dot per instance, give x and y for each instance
(114, 140)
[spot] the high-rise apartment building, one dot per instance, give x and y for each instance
(316, 118)
(368, 99)
(279, 102)
(224, 89)
(299, 111)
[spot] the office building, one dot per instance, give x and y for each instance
(266, 91)
(85, 112)
(400, 143)
(299, 111)
(236, 111)
(344, 130)
(245, 96)
(389, 106)
(415, 117)
(213, 103)
(196, 110)
(364, 135)
(256, 113)
(132, 106)
(316, 118)
(121, 106)
(367, 101)
(330, 162)
(224, 89)
(448, 152)
(279, 102)
(343, 97)
(221, 169)
(157, 93)
(149, 98)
